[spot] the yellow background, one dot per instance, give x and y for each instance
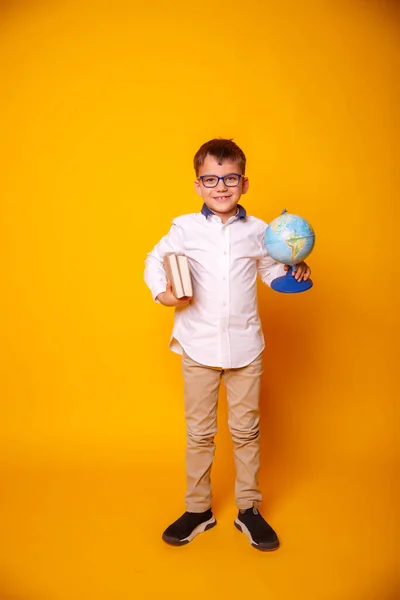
(102, 107)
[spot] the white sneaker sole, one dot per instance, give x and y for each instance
(199, 529)
(264, 547)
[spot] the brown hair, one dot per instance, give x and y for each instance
(221, 150)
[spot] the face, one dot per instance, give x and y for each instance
(222, 199)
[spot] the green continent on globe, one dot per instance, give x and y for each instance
(296, 245)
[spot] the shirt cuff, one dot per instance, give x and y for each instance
(277, 271)
(157, 289)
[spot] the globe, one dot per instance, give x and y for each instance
(289, 239)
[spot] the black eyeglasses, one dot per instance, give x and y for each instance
(230, 180)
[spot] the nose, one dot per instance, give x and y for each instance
(221, 187)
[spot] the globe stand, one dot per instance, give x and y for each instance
(287, 284)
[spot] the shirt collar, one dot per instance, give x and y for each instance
(241, 212)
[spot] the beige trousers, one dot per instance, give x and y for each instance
(201, 386)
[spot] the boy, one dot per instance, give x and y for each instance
(218, 332)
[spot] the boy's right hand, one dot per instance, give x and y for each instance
(167, 298)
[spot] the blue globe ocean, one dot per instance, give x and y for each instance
(289, 239)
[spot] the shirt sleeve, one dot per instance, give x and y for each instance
(154, 273)
(268, 269)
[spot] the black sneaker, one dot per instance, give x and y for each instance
(185, 529)
(260, 534)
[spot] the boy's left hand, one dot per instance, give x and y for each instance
(303, 271)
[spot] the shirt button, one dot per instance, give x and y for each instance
(224, 251)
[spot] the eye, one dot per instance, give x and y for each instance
(232, 178)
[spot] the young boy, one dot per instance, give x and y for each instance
(219, 334)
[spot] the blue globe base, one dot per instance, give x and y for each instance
(288, 284)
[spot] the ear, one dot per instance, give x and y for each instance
(245, 185)
(197, 187)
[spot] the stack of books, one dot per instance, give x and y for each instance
(178, 273)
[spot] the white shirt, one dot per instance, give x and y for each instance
(221, 326)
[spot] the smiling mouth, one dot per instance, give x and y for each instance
(221, 198)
